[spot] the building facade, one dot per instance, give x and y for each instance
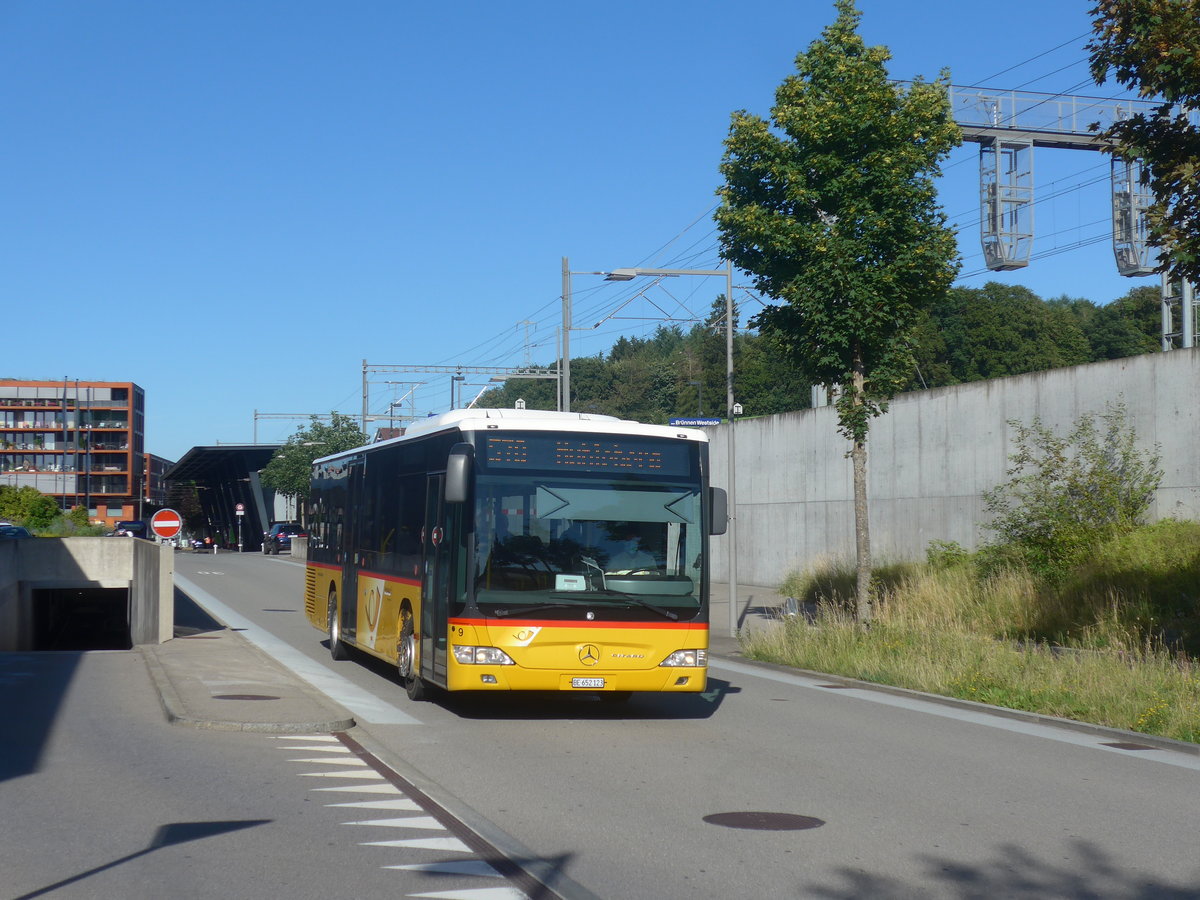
(81, 442)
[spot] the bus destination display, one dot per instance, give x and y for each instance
(592, 454)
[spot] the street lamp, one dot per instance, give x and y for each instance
(629, 275)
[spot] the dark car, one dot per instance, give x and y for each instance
(13, 532)
(280, 536)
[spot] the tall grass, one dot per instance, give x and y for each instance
(1109, 645)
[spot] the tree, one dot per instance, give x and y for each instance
(1154, 47)
(1000, 330)
(831, 207)
(290, 470)
(27, 506)
(1130, 325)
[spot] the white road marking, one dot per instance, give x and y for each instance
(365, 705)
(499, 893)
(404, 804)
(462, 867)
(382, 787)
(334, 761)
(442, 844)
(406, 822)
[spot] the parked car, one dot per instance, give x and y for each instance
(280, 536)
(130, 529)
(13, 532)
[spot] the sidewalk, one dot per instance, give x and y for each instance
(215, 678)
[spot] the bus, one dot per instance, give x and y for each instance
(519, 550)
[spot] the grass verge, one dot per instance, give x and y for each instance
(1107, 646)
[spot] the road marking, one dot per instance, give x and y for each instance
(404, 804)
(445, 837)
(426, 822)
(459, 867)
(444, 844)
(365, 705)
(989, 720)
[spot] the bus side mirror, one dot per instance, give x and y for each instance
(458, 473)
(718, 510)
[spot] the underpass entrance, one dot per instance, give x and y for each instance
(88, 618)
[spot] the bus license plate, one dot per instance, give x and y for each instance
(587, 682)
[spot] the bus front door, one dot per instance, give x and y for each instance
(435, 589)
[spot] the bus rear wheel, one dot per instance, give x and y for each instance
(336, 648)
(406, 659)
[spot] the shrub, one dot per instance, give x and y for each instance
(1067, 494)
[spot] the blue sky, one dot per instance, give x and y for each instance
(234, 204)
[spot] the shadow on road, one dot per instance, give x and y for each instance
(1087, 873)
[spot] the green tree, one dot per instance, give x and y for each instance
(27, 506)
(1000, 330)
(832, 208)
(1130, 325)
(1153, 46)
(290, 470)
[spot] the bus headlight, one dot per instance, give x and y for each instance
(482, 656)
(689, 658)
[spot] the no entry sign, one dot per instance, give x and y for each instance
(166, 523)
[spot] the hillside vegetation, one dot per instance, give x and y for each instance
(972, 334)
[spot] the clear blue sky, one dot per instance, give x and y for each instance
(235, 203)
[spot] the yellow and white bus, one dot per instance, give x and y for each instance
(513, 550)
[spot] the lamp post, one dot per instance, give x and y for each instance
(727, 272)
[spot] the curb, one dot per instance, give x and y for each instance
(176, 713)
(1004, 712)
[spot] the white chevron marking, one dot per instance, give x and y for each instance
(382, 787)
(405, 804)
(405, 822)
(443, 844)
(461, 867)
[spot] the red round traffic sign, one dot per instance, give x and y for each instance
(166, 523)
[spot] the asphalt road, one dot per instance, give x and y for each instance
(855, 793)
(101, 798)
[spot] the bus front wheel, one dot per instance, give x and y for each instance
(336, 648)
(406, 659)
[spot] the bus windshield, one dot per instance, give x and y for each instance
(560, 541)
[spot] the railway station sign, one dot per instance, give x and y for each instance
(695, 422)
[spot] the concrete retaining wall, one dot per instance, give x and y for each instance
(144, 568)
(932, 456)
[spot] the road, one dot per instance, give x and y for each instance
(878, 795)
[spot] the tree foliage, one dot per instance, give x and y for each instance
(831, 207)
(27, 506)
(290, 470)
(1153, 46)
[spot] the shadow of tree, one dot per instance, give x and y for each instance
(1086, 873)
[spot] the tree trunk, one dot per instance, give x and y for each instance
(862, 532)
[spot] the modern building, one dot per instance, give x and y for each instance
(82, 442)
(235, 509)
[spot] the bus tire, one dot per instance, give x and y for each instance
(336, 648)
(406, 659)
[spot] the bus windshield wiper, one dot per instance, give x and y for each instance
(505, 612)
(638, 601)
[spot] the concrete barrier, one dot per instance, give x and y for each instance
(142, 568)
(931, 457)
